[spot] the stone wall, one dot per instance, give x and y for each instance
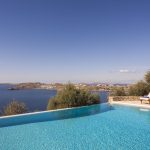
(124, 98)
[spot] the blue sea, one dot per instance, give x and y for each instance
(35, 99)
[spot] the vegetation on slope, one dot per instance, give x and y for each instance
(72, 97)
(14, 108)
(142, 87)
(139, 89)
(118, 91)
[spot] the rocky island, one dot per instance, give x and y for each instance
(22, 86)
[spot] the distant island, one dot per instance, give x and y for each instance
(31, 85)
(59, 86)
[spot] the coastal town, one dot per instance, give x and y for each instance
(59, 86)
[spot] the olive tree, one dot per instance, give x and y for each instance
(72, 97)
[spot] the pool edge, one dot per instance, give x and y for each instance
(40, 112)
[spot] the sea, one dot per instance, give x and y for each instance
(35, 99)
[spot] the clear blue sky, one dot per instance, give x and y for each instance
(74, 40)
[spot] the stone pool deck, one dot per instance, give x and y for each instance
(132, 103)
(129, 100)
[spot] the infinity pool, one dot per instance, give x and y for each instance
(98, 127)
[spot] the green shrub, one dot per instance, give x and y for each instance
(52, 104)
(118, 91)
(14, 108)
(139, 89)
(72, 97)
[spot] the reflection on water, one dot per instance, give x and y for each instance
(82, 111)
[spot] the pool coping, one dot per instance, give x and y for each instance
(133, 105)
(41, 112)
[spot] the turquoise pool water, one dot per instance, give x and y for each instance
(98, 127)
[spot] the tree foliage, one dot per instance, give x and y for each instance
(14, 108)
(72, 97)
(139, 89)
(142, 87)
